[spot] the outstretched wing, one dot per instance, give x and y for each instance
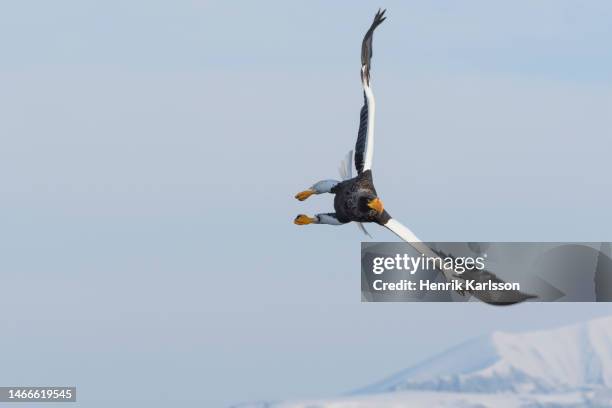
(364, 148)
(408, 236)
(493, 297)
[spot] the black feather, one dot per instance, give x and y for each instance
(366, 45)
(360, 145)
(366, 58)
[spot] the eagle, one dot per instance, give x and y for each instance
(356, 199)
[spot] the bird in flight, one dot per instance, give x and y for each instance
(356, 199)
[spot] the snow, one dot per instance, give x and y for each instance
(445, 400)
(570, 358)
(565, 367)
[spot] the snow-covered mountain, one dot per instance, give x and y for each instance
(571, 358)
(565, 367)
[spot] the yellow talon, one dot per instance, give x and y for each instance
(302, 195)
(304, 220)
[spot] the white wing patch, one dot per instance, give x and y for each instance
(369, 148)
(405, 234)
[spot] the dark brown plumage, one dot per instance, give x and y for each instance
(352, 197)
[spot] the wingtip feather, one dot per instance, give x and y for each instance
(379, 17)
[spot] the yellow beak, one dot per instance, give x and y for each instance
(376, 204)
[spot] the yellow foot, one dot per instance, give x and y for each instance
(304, 220)
(302, 195)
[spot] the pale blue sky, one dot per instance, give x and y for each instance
(150, 152)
